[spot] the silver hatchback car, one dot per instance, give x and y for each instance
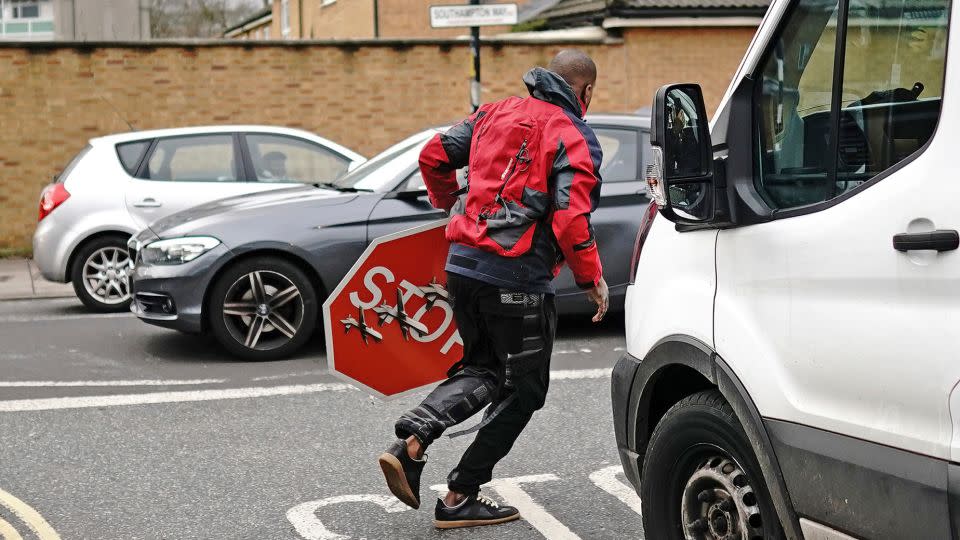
(119, 184)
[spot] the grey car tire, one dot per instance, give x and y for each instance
(263, 308)
(700, 476)
(99, 274)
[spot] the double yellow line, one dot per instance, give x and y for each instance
(28, 515)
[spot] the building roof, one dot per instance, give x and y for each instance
(255, 18)
(561, 13)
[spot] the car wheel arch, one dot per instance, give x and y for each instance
(679, 366)
(315, 279)
(72, 259)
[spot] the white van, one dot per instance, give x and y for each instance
(793, 330)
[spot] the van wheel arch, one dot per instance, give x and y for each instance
(679, 366)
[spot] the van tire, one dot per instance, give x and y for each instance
(699, 472)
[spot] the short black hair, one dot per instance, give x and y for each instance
(575, 66)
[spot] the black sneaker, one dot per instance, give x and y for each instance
(402, 473)
(472, 511)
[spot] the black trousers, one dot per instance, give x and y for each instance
(507, 342)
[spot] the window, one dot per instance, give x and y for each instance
(266, 32)
(414, 182)
(817, 141)
(202, 158)
(26, 9)
(285, 17)
(130, 154)
(278, 158)
(620, 159)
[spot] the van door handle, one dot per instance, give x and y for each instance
(149, 202)
(943, 240)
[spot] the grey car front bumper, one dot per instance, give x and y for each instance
(181, 286)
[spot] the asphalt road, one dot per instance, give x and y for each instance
(112, 429)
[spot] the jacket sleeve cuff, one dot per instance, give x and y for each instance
(587, 285)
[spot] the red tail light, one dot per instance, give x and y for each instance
(51, 197)
(645, 224)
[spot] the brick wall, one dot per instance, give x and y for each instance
(54, 97)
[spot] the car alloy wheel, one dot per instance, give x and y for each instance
(105, 275)
(263, 310)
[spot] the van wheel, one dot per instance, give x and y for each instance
(701, 480)
(99, 274)
(263, 308)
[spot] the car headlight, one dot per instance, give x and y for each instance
(177, 250)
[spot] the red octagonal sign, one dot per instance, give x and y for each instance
(389, 324)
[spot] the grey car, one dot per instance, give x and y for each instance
(253, 270)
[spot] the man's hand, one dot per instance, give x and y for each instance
(600, 296)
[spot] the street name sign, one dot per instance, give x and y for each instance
(389, 324)
(460, 16)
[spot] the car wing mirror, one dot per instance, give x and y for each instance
(680, 177)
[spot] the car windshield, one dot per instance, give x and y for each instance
(377, 173)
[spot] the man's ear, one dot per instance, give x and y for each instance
(585, 96)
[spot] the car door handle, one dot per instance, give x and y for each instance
(944, 240)
(149, 202)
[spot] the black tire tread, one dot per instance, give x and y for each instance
(710, 402)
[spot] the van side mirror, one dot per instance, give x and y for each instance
(680, 177)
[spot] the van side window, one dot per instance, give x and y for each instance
(817, 140)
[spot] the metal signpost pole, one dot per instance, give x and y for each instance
(473, 16)
(475, 51)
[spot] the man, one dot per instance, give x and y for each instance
(275, 166)
(533, 182)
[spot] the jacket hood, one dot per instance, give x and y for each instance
(546, 85)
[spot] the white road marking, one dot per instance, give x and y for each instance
(31, 517)
(550, 527)
(304, 518)
(143, 382)
(606, 479)
(288, 375)
(49, 318)
(569, 374)
(46, 404)
(81, 402)
(7, 532)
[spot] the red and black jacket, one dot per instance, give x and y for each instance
(533, 181)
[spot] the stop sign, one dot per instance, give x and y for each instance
(389, 324)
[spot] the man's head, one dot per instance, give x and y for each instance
(578, 69)
(276, 164)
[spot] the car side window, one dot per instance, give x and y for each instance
(130, 154)
(817, 140)
(414, 182)
(200, 158)
(278, 158)
(620, 148)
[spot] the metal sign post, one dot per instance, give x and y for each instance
(475, 52)
(474, 16)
